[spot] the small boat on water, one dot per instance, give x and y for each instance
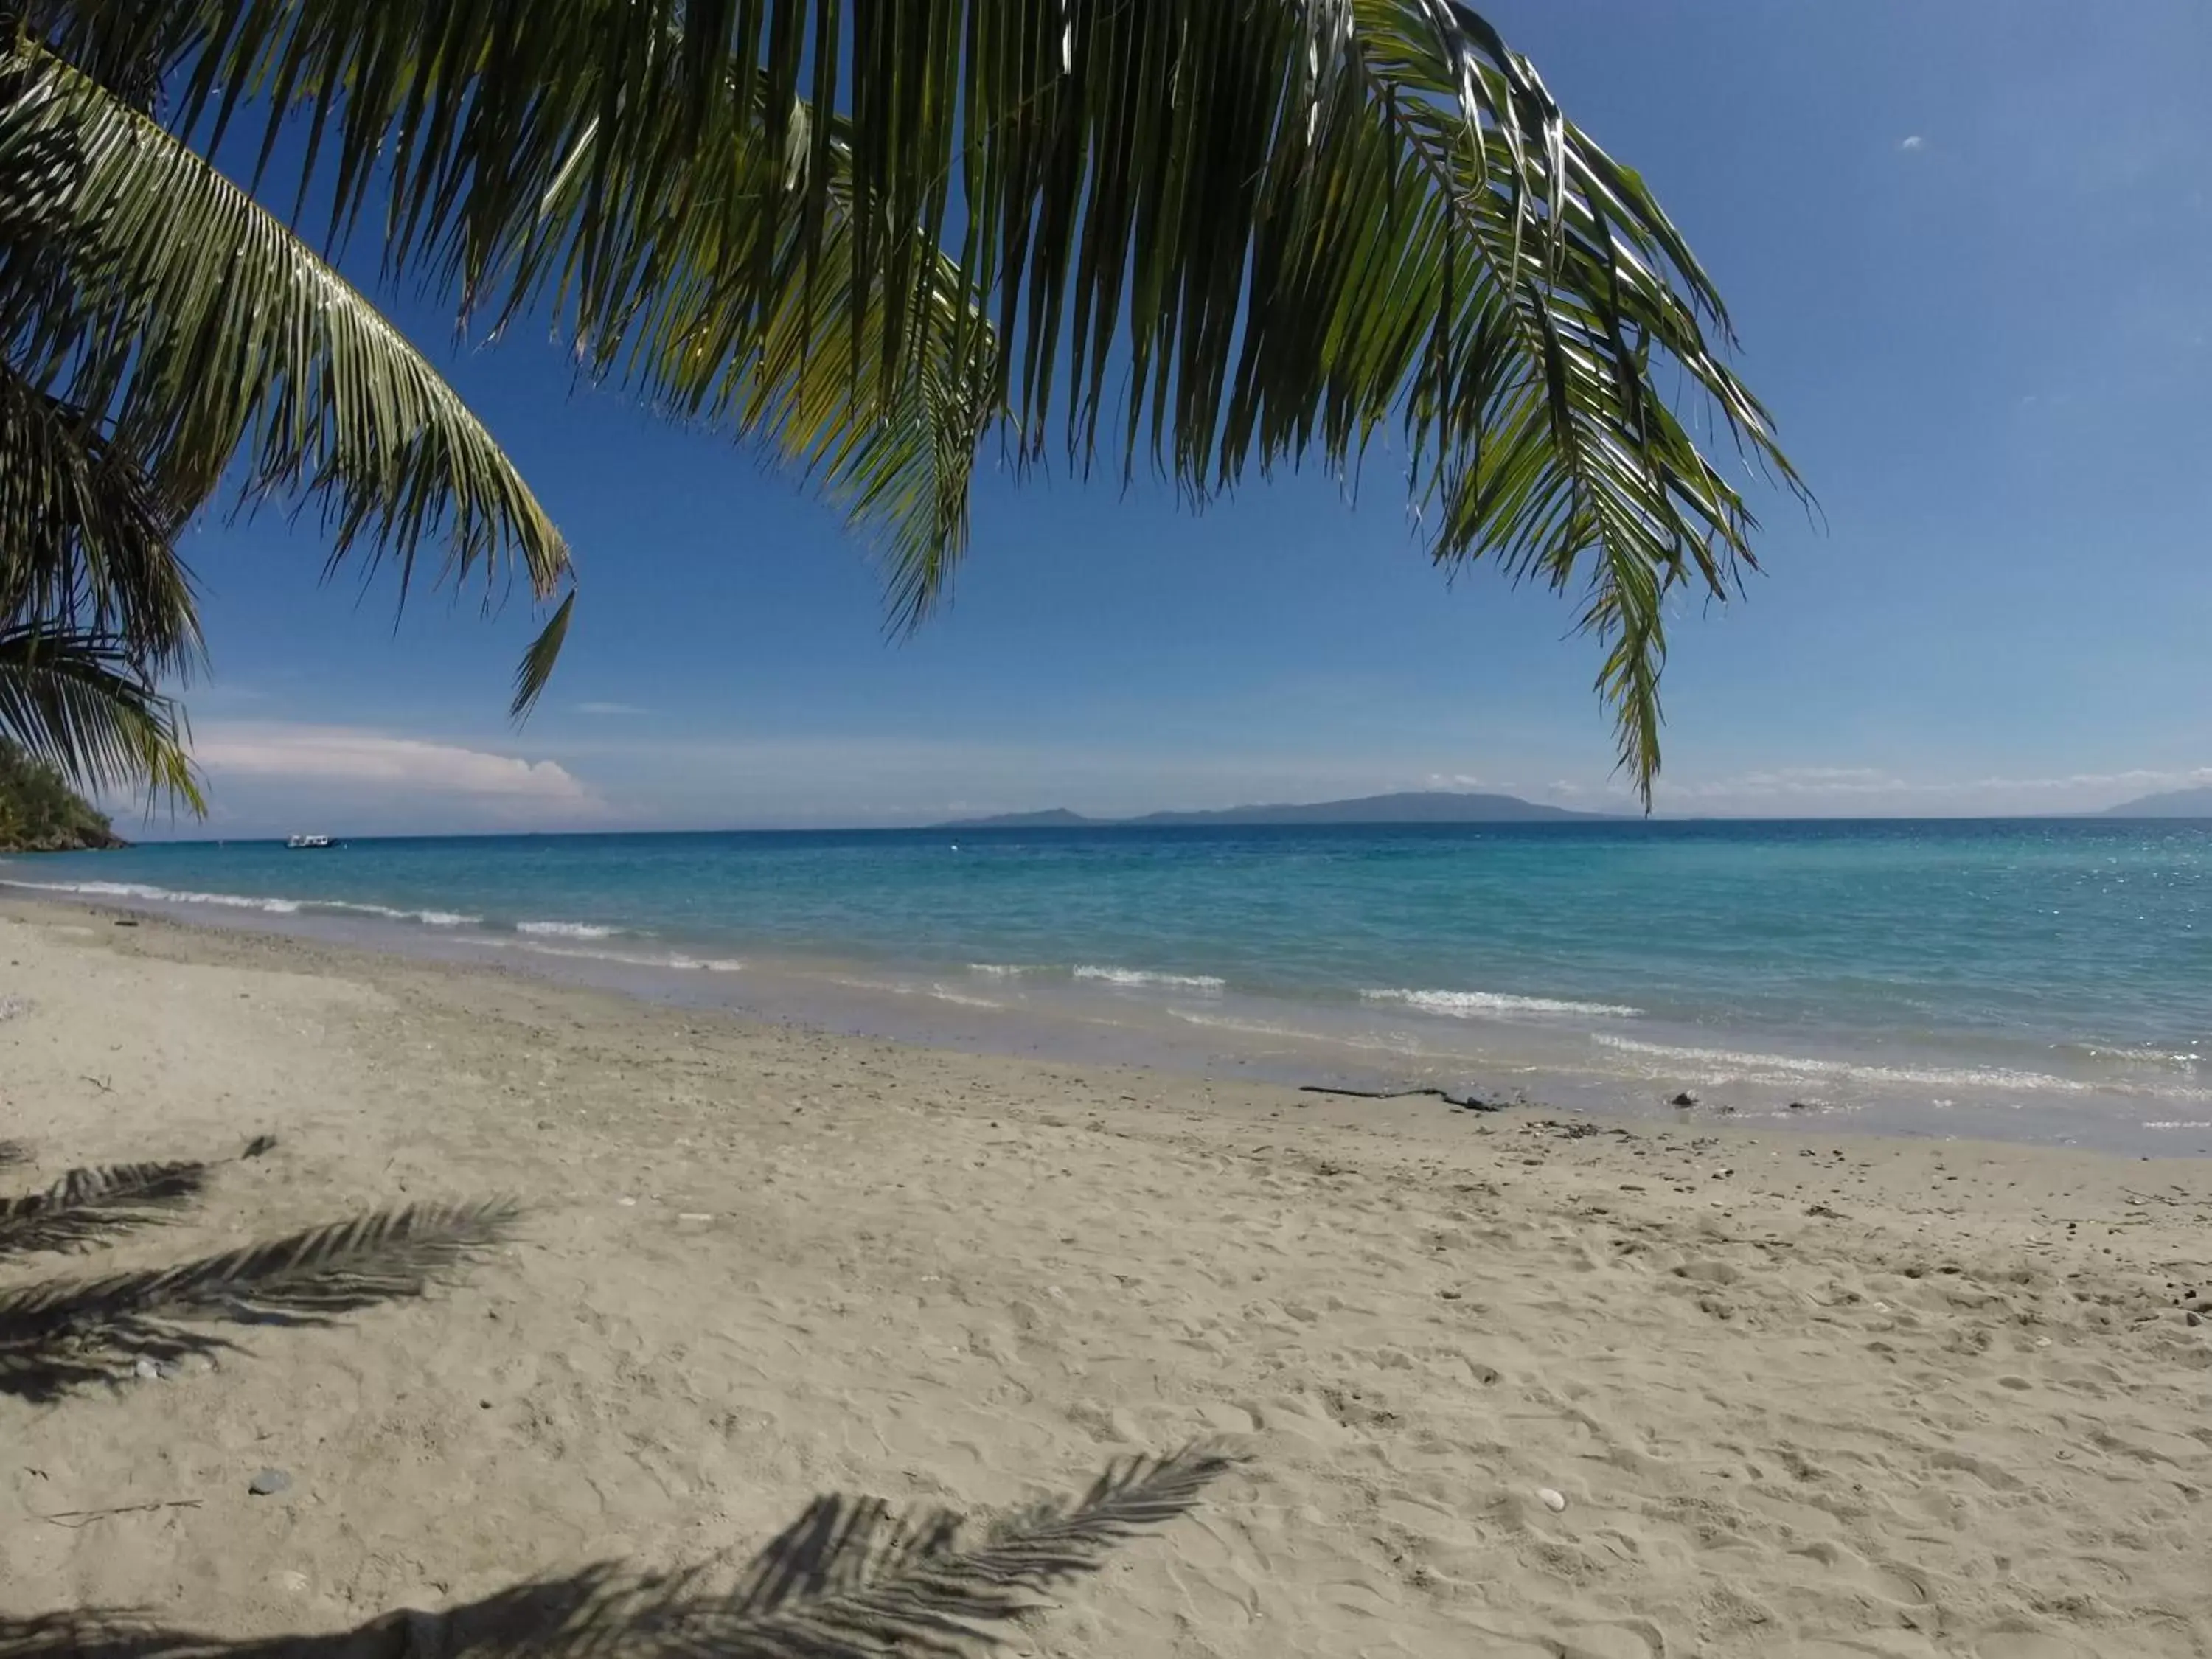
(308, 843)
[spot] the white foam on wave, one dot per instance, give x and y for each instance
(1402, 1045)
(272, 906)
(567, 929)
(1495, 1005)
(1002, 969)
(1743, 1066)
(945, 993)
(634, 959)
(1140, 977)
(2187, 1061)
(427, 918)
(282, 907)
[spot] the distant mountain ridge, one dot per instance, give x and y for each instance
(1412, 806)
(2170, 804)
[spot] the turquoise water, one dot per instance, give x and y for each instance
(2059, 968)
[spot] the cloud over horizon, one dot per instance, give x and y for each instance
(273, 777)
(1872, 790)
(269, 776)
(346, 755)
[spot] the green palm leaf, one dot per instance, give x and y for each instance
(82, 702)
(89, 547)
(196, 334)
(646, 266)
(246, 345)
(1218, 236)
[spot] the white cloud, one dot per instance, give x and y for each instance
(270, 777)
(1912, 142)
(1848, 789)
(2136, 782)
(1794, 780)
(611, 708)
(347, 756)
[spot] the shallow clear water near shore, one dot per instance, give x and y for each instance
(2041, 979)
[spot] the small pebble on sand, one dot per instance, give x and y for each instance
(269, 1482)
(1553, 1501)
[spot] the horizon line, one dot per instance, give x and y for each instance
(974, 827)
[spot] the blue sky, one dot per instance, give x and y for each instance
(1966, 246)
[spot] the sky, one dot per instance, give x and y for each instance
(1965, 246)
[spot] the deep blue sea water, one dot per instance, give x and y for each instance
(2057, 971)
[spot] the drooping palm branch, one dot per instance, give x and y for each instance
(197, 334)
(849, 1579)
(160, 330)
(95, 607)
(90, 541)
(56, 1335)
(1224, 236)
(85, 702)
(653, 310)
(283, 398)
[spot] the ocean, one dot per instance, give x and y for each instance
(2045, 981)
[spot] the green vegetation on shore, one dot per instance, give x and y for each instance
(40, 813)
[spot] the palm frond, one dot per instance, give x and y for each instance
(648, 246)
(535, 672)
(82, 702)
(95, 607)
(90, 541)
(60, 1333)
(88, 1204)
(1223, 237)
(849, 1579)
(858, 1578)
(201, 334)
(92, 1204)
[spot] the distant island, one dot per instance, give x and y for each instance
(2173, 804)
(40, 813)
(1419, 806)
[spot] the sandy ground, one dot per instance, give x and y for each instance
(1800, 1396)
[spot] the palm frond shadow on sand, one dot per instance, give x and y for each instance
(89, 1206)
(848, 1579)
(58, 1334)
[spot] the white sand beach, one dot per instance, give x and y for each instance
(1800, 1396)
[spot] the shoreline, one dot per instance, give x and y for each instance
(1799, 1398)
(1627, 1069)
